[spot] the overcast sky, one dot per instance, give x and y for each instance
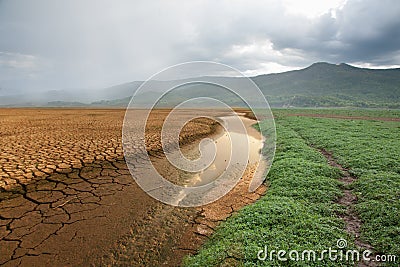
(94, 44)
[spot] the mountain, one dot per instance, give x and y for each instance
(319, 85)
(324, 84)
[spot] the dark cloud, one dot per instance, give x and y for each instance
(49, 44)
(362, 31)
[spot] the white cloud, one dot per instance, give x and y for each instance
(374, 66)
(312, 8)
(18, 61)
(260, 57)
(268, 67)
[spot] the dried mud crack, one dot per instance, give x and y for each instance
(67, 197)
(180, 231)
(348, 200)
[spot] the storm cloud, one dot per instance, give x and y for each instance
(49, 44)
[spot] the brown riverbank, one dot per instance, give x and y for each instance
(68, 199)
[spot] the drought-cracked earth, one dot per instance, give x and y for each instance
(67, 197)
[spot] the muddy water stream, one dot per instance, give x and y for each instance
(251, 142)
(225, 161)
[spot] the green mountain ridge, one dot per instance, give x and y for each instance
(324, 84)
(319, 85)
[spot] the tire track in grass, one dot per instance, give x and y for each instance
(368, 150)
(348, 200)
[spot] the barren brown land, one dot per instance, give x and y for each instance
(68, 199)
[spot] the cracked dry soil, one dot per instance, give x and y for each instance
(68, 199)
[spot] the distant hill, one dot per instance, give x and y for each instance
(324, 84)
(319, 85)
(65, 104)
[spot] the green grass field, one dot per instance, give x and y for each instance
(299, 211)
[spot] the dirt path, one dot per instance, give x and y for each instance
(348, 200)
(342, 117)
